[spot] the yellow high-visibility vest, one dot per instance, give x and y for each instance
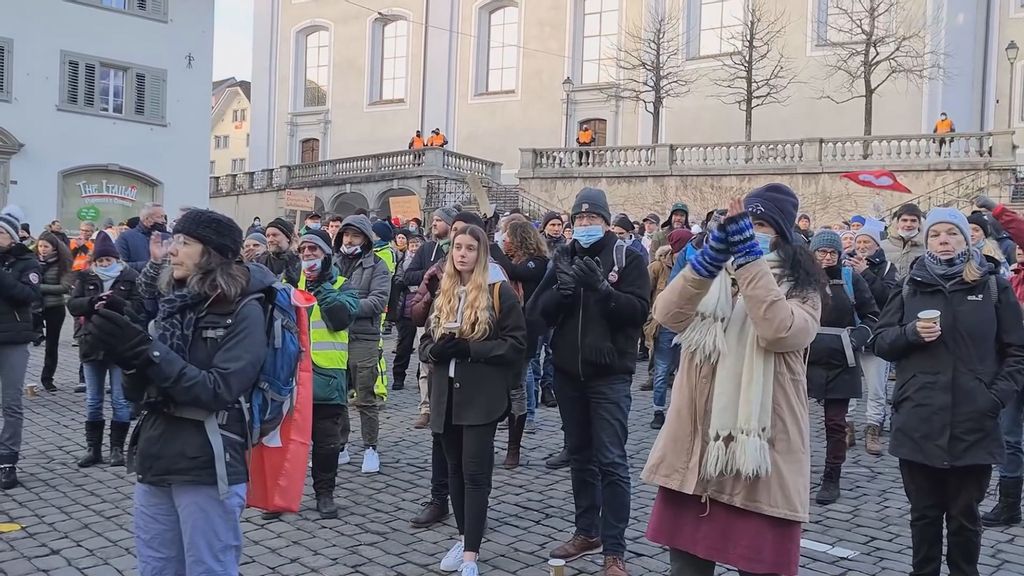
(386, 254)
(328, 349)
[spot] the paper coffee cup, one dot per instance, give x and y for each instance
(929, 316)
(556, 567)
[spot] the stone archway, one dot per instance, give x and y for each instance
(383, 203)
(346, 203)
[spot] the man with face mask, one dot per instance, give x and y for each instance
(368, 276)
(313, 222)
(279, 256)
(133, 245)
(597, 302)
(19, 290)
(905, 245)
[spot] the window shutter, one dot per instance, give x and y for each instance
(5, 69)
(80, 77)
(148, 88)
(153, 8)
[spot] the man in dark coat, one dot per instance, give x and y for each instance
(19, 290)
(133, 245)
(279, 257)
(597, 302)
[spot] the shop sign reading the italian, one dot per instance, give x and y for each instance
(106, 192)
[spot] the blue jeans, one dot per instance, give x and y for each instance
(595, 417)
(1011, 423)
(531, 387)
(95, 378)
(543, 372)
(666, 362)
(188, 529)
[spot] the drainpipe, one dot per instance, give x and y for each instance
(986, 64)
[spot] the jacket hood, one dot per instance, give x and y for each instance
(360, 223)
(260, 278)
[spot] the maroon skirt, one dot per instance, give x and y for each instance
(725, 534)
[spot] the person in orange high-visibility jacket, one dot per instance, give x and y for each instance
(585, 136)
(81, 247)
(944, 125)
(437, 139)
(417, 141)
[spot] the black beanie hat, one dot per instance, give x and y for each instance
(469, 218)
(623, 221)
(284, 226)
(548, 217)
(103, 247)
(981, 221)
(775, 204)
(909, 209)
(213, 230)
(594, 201)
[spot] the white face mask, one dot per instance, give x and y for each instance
(350, 250)
(907, 234)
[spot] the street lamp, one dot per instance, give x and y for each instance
(567, 85)
(1012, 50)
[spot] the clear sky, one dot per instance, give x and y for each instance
(232, 39)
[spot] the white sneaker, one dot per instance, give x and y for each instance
(344, 457)
(371, 461)
(452, 561)
(469, 569)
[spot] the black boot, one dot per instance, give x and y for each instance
(547, 398)
(326, 507)
(1006, 512)
(829, 491)
(8, 476)
(515, 441)
(560, 460)
(325, 473)
(93, 444)
(118, 433)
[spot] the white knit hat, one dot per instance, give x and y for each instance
(10, 220)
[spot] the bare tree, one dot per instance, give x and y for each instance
(650, 67)
(757, 73)
(871, 42)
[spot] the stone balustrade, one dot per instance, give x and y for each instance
(900, 152)
(401, 164)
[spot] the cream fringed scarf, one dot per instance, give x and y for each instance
(741, 403)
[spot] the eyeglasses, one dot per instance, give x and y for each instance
(826, 254)
(311, 248)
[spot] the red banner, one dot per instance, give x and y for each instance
(881, 179)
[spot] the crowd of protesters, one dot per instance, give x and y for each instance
(743, 320)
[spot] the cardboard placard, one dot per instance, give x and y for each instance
(405, 207)
(299, 200)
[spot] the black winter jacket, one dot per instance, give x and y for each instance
(949, 392)
(829, 375)
(287, 265)
(19, 292)
(528, 274)
(87, 289)
(479, 393)
(588, 327)
(54, 286)
(428, 255)
(881, 277)
(223, 363)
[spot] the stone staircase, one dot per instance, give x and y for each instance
(504, 198)
(1005, 186)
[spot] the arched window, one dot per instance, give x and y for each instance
(389, 70)
(310, 150)
(498, 47)
(315, 65)
(599, 126)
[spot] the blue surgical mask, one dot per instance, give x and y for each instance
(587, 235)
(108, 272)
(764, 241)
(313, 226)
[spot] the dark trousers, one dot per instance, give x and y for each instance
(953, 495)
(686, 564)
(53, 319)
(595, 416)
(403, 349)
(438, 471)
(835, 432)
(330, 422)
(470, 454)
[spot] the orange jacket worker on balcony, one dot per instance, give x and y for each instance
(437, 139)
(585, 137)
(943, 125)
(417, 141)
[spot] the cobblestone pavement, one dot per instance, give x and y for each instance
(79, 521)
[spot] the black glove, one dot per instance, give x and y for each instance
(115, 303)
(438, 351)
(565, 276)
(121, 340)
(589, 275)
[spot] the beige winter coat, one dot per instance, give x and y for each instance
(786, 327)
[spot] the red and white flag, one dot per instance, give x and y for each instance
(881, 179)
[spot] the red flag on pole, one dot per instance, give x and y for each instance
(881, 179)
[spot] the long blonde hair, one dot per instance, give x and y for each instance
(476, 310)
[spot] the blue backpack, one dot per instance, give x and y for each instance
(270, 398)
